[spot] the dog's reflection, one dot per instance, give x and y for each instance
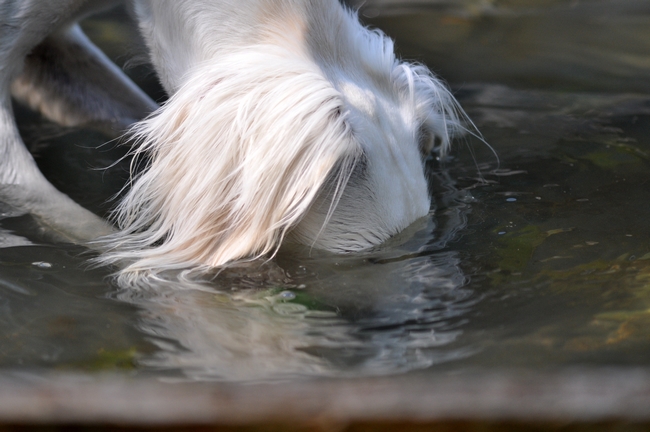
(388, 312)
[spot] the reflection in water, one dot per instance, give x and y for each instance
(327, 315)
(7, 238)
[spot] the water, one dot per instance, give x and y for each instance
(538, 260)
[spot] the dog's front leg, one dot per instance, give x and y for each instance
(71, 82)
(23, 186)
(24, 25)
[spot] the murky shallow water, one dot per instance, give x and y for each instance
(540, 261)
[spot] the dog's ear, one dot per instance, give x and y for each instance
(237, 156)
(436, 110)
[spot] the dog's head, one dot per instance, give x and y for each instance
(321, 142)
(396, 113)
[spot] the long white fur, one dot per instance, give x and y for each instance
(231, 181)
(287, 119)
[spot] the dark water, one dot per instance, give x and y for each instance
(538, 260)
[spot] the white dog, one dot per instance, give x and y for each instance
(287, 119)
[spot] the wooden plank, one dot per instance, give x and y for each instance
(595, 395)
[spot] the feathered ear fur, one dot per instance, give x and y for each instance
(422, 97)
(439, 114)
(237, 156)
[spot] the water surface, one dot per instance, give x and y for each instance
(540, 259)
